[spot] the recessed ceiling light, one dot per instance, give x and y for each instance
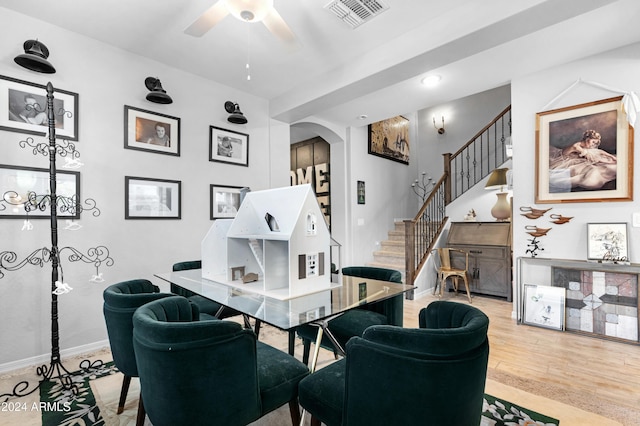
(431, 80)
(362, 116)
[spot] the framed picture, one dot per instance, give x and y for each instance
(604, 303)
(151, 131)
(227, 146)
(584, 153)
(544, 306)
(607, 242)
(390, 139)
(146, 198)
(361, 192)
(225, 201)
(25, 193)
(23, 109)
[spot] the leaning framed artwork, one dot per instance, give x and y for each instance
(607, 242)
(584, 153)
(147, 198)
(25, 193)
(151, 131)
(544, 306)
(224, 201)
(390, 139)
(23, 109)
(227, 146)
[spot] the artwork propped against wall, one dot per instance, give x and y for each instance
(599, 302)
(390, 139)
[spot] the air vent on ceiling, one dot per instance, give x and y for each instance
(356, 12)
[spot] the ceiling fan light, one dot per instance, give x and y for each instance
(249, 10)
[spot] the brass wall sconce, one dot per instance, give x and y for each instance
(439, 129)
(157, 94)
(35, 57)
(235, 115)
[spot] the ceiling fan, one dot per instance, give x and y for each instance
(245, 10)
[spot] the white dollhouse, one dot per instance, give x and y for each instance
(279, 235)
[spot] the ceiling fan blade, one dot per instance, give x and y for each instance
(208, 19)
(274, 23)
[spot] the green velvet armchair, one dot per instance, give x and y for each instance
(205, 305)
(204, 372)
(354, 322)
(432, 375)
(120, 302)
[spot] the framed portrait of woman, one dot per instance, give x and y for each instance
(584, 153)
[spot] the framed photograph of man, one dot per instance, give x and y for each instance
(23, 109)
(147, 198)
(25, 193)
(227, 146)
(584, 153)
(390, 139)
(225, 201)
(151, 131)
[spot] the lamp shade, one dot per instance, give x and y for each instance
(498, 179)
(35, 57)
(235, 115)
(157, 94)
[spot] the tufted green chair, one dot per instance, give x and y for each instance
(354, 322)
(205, 305)
(195, 372)
(432, 375)
(120, 302)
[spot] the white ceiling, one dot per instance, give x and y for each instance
(339, 73)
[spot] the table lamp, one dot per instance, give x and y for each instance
(498, 180)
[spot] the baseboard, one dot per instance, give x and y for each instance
(45, 358)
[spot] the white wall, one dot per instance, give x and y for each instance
(106, 79)
(386, 198)
(531, 94)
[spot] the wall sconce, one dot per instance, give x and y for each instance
(235, 115)
(157, 94)
(439, 129)
(498, 180)
(35, 57)
(508, 147)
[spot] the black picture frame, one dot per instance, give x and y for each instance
(228, 146)
(150, 131)
(29, 185)
(224, 201)
(390, 139)
(150, 198)
(23, 109)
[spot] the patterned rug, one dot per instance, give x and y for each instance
(67, 408)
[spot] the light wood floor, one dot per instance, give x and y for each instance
(578, 379)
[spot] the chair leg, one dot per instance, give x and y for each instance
(123, 393)
(306, 350)
(466, 284)
(141, 412)
(294, 409)
(315, 421)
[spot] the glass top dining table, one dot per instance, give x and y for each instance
(289, 314)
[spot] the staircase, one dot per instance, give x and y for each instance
(392, 251)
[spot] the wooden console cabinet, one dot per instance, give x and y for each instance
(489, 248)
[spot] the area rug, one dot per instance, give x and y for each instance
(66, 408)
(61, 406)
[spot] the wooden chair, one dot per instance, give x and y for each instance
(445, 269)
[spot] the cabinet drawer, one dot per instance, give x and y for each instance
(484, 251)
